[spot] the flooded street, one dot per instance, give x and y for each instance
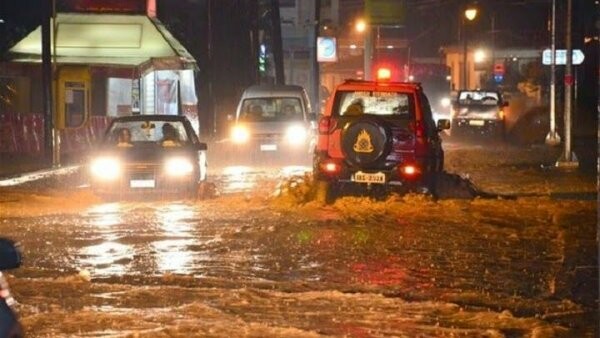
(251, 262)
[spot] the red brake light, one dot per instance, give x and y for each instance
(325, 125)
(417, 128)
(330, 167)
(384, 74)
(409, 170)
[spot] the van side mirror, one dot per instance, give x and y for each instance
(10, 257)
(443, 124)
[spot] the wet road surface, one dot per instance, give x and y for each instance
(249, 264)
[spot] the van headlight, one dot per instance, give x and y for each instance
(296, 134)
(240, 134)
(105, 168)
(178, 166)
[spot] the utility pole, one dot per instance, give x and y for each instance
(568, 158)
(314, 64)
(368, 54)
(465, 81)
(277, 43)
(47, 84)
(553, 139)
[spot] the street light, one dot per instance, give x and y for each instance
(470, 15)
(360, 25)
(479, 56)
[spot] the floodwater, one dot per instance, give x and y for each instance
(253, 263)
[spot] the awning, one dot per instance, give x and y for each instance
(102, 39)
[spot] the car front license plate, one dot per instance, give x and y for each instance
(478, 123)
(268, 147)
(378, 178)
(142, 184)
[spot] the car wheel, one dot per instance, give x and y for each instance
(324, 191)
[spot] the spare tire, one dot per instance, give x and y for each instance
(365, 141)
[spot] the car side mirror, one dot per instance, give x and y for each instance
(10, 257)
(201, 146)
(443, 124)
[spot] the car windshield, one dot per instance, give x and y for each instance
(135, 133)
(373, 103)
(479, 98)
(271, 109)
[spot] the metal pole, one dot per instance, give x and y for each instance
(568, 159)
(277, 43)
(47, 83)
(553, 138)
(210, 62)
(465, 82)
(314, 64)
(368, 53)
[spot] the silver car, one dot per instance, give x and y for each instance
(276, 121)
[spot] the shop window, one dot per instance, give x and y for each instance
(119, 97)
(75, 104)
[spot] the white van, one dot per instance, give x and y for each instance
(275, 119)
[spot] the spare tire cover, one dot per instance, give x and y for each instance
(365, 142)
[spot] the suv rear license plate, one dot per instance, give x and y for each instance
(268, 147)
(361, 177)
(141, 184)
(476, 123)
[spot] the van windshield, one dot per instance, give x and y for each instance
(271, 109)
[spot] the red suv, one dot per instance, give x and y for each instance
(378, 134)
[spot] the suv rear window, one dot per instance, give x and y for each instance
(271, 109)
(478, 98)
(352, 103)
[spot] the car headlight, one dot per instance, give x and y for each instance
(178, 166)
(445, 102)
(296, 134)
(106, 168)
(240, 134)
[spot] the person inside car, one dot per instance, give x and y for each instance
(170, 136)
(124, 138)
(357, 107)
(288, 111)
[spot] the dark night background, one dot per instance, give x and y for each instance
(229, 64)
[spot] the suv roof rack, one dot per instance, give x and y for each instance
(404, 83)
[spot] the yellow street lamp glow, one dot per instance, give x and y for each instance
(361, 25)
(471, 13)
(479, 56)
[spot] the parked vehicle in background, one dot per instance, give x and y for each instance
(478, 112)
(378, 135)
(274, 119)
(149, 154)
(10, 258)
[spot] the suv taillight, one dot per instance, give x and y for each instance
(326, 123)
(418, 128)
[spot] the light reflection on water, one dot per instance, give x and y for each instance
(245, 178)
(238, 179)
(108, 258)
(175, 255)
(169, 251)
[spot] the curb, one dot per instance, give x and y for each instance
(37, 175)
